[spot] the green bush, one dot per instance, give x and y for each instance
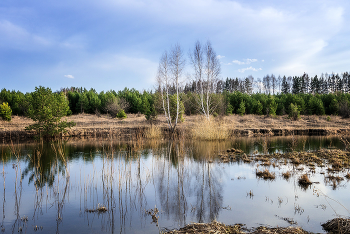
(294, 113)
(121, 114)
(328, 118)
(315, 106)
(5, 111)
(271, 106)
(241, 109)
(229, 109)
(259, 108)
(47, 109)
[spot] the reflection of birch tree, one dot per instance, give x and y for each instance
(188, 183)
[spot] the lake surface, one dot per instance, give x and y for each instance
(60, 188)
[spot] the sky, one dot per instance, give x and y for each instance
(113, 44)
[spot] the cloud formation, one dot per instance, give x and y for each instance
(69, 76)
(249, 68)
(293, 37)
(245, 61)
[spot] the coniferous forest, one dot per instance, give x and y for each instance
(327, 94)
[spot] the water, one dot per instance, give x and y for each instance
(50, 188)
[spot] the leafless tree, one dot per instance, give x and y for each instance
(169, 75)
(267, 84)
(274, 83)
(115, 105)
(207, 69)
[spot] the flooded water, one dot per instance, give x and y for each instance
(102, 186)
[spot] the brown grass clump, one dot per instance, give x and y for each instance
(337, 225)
(266, 174)
(219, 228)
(347, 176)
(213, 227)
(210, 130)
(286, 175)
(304, 180)
(154, 132)
(99, 209)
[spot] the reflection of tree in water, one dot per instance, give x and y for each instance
(185, 183)
(42, 166)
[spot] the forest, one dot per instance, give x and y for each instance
(324, 95)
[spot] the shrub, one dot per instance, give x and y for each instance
(294, 113)
(151, 114)
(344, 109)
(5, 111)
(229, 109)
(271, 106)
(241, 109)
(328, 118)
(47, 109)
(215, 114)
(259, 108)
(121, 114)
(315, 106)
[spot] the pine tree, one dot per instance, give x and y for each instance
(285, 86)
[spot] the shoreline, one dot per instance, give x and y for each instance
(135, 126)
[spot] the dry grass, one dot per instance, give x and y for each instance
(304, 180)
(266, 174)
(218, 228)
(347, 176)
(154, 132)
(286, 175)
(210, 129)
(337, 225)
(230, 122)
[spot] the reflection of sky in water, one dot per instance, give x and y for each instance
(174, 178)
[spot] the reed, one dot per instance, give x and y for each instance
(209, 129)
(154, 132)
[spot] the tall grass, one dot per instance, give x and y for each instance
(154, 132)
(210, 129)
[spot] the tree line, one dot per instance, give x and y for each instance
(81, 100)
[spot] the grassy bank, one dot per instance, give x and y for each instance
(195, 126)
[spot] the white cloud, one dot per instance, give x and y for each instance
(15, 36)
(220, 56)
(249, 68)
(69, 76)
(245, 61)
(238, 62)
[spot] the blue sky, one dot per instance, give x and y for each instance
(112, 44)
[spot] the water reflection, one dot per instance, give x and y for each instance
(62, 187)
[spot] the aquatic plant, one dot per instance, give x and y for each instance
(266, 174)
(304, 180)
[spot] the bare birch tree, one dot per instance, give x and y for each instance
(207, 69)
(169, 76)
